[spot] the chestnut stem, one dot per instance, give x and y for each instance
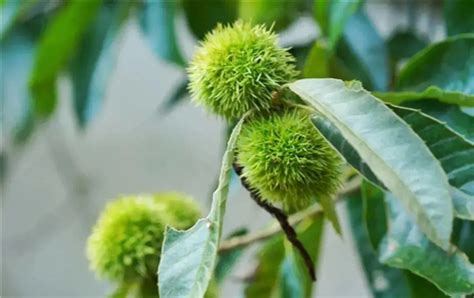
(282, 219)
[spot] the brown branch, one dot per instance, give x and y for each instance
(274, 228)
(283, 221)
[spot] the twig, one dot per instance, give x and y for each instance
(273, 229)
(283, 220)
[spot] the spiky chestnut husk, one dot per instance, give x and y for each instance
(126, 241)
(236, 68)
(286, 160)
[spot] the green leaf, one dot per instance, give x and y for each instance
(310, 233)
(442, 71)
(405, 246)
(329, 208)
(321, 15)
(363, 54)
(10, 10)
(277, 265)
(452, 150)
(188, 257)
(373, 213)
(340, 12)
(204, 15)
(316, 65)
(93, 63)
(452, 115)
(57, 44)
(16, 54)
(463, 237)
(389, 146)
(227, 259)
(383, 281)
(276, 13)
(291, 278)
(455, 153)
(332, 17)
(265, 277)
(458, 16)
(404, 44)
(157, 21)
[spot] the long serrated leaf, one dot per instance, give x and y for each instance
(443, 71)
(397, 156)
(364, 53)
(203, 15)
(458, 16)
(405, 246)
(373, 213)
(340, 12)
(265, 277)
(462, 123)
(228, 259)
(157, 20)
(95, 59)
(10, 10)
(456, 155)
(383, 281)
(188, 257)
(274, 265)
(58, 42)
(329, 209)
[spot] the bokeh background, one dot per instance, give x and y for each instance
(58, 183)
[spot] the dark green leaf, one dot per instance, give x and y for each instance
(301, 52)
(316, 65)
(277, 265)
(398, 157)
(441, 71)
(321, 15)
(95, 58)
(329, 208)
(157, 20)
(203, 15)
(383, 281)
(362, 52)
(291, 278)
(179, 94)
(265, 277)
(340, 12)
(188, 257)
(57, 44)
(332, 17)
(374, 213)
(453, 151)
(227, 259)
(463, 237)
(310, 233)
(404, 44)
(405, 246)
(276, 13)
(454, 118)
(458, 16)
(10, 11)
(421, 288)
(455, 154)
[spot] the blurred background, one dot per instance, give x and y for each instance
(59, 179)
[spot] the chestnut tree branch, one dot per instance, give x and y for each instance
(282, 220)
(274, 228)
